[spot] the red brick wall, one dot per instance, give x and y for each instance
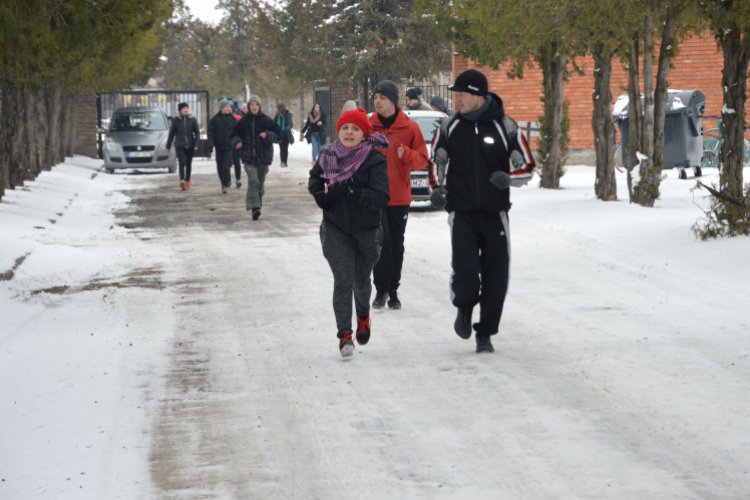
(699, 66)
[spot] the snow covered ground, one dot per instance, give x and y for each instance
(158, 344)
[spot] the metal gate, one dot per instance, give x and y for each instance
(167, 100)
(323, 97)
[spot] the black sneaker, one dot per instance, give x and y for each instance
(363, 330)
(462, 325)
(393, 302)
(256, 213)
(239, 184)
(346, 345)
(379, 301)
(484, 344)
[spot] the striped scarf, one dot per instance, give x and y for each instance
(340, 163)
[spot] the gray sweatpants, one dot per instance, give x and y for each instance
(351, 259)
(256, 179)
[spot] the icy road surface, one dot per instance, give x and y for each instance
(190, 353)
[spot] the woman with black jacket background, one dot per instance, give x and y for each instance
(185, 134)
(283, 119)
(315, 130)
(350, 183)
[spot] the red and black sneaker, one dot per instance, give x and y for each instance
(346, 345)
(363, 330)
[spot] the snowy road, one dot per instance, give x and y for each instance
(621, 369)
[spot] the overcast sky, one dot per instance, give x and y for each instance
(205, 10)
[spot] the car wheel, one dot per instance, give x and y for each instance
(698, 171)
(173, 168)
(683, 174)
(110, 170)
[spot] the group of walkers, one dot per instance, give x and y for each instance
(239, 136)
(362, 182)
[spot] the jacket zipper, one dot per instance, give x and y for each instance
(252, 141)
(184, 129)
(476, 163)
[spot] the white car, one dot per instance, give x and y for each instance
(429, 122)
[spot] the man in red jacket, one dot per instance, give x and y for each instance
(406, 152)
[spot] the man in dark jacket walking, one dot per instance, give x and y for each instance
(185, 135)
(254, 136)
(477, 155)
(220, 137)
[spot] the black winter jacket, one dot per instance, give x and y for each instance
(311, 127)
(220, 131)
(184, 132)
(466, 153)
(369, 194)
(255, 149)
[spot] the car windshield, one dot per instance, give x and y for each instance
(428, 125)
(134, 121)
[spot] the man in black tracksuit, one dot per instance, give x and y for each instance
(471, 175)
(220, 137)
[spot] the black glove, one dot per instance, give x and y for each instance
(355, 192)
(437, 197)
(500, 179)
(320, 199)
(336, 191)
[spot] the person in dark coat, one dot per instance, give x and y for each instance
(438, 104)
(185, 135)
(315, 130)
(220, 137)
(283, 119)
(477, 155)
(254, 136)
(350, 183)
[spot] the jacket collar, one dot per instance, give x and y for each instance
(401, 120)
(494, 111)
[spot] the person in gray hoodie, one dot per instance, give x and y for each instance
(438, 104)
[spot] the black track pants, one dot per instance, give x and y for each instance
(351, 258)
(237, 164)
(387, 272)
(284, 149)
(185, 157)
(224, 166)
(481, 264)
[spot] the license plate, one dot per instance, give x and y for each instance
(139, 154)
(419, 183)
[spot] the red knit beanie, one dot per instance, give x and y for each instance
(357, 117)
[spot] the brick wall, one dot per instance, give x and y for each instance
(86, 125)
(699, 66)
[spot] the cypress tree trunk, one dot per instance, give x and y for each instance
(735, 44)
(635, 113)
(651, 177)
(13, 149)
(642, 190)
(553, 74)
(53, 119)
(605, 134)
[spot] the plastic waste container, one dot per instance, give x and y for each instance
(683, 129)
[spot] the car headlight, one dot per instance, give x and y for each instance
(163, 143)
(112, 144)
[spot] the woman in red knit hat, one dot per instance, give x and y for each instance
(350, 183)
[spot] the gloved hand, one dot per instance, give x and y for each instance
(500, 180)
(336, 191)
(437, 197)
(320, 199)
(355, 193)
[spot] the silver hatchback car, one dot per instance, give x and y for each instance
(137, 138)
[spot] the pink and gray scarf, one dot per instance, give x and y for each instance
(340, 163)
